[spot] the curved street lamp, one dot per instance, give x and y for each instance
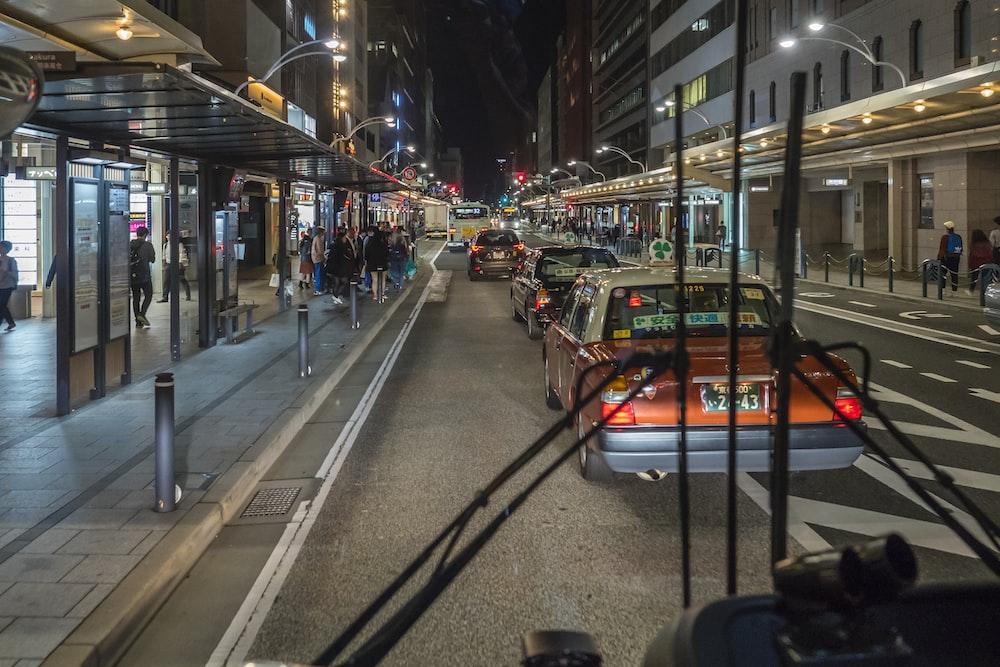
(689, 108)
(556, 170)
(374, 120)
(408, 149)
(332, 43)
(864, 50)
(588, 166)
(619, 151)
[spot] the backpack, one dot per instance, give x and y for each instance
(134, 260)
(12, 269)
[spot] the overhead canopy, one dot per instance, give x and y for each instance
(164, 109)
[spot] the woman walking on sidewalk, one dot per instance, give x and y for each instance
(318, 257)
(980, 252)
(305, 261)
(376, 263)
(8, 283)
(398, 254)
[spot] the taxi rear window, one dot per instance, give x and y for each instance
(650, 311)
(496, 238)
(567, 265)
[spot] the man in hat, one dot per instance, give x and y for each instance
(950, 252)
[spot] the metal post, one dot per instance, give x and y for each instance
(64, 283)
(941, 278)
(282, 259)
(805, 266)
(175, 243)
(923, 276)
(891, 265)
(304, 369)
(850, 270)
(861, 269)
(756, 260)
(164, 416)
(204, 257)
(355, 324)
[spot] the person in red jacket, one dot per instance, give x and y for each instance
(980, 252)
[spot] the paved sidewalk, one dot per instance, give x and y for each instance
(76, 524)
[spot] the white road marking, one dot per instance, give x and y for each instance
(922, 315)
(862, 303)
(897, 364)
(799, 531)
(976, 437)
(990, 330)
(972, 364)
(912, 330)
(963, 431)
(985, 393)
(972, 479)
(232, 649)
(939, 378)
(817, 295)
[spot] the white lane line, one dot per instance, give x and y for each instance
(990, 330)
(897, 364)
(962, 430)
(862, 303)
(972, 479)
(798, 530)
(232, 649)
(972, 364)
(939, 378)
(911, 330)
(985, 393)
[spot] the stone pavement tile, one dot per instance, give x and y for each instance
(102, 569)
(28, 663)
(104, 542)
(8, 535)
(25, 481)
(147, 544)
(25, 498)
(90, 518)
(34, 637)
(94, 465)
(106, 498)
(23, 517)
(37, 567)
(42, 599)
(147, 519)
(49, 541)
(131, 481)
(75, 480)
(90, 602)
(141, 499)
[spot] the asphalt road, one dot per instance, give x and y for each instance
(463, 398)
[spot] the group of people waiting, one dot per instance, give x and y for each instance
(983, 249)
(327, 266)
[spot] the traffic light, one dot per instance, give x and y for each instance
(504, 199)
(520, 176)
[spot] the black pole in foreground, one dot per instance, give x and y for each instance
(781, 352)
(304, 370)
(163, 398)
(680, 353)
(734, 273)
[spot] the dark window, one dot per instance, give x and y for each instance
(563, 266)
(752, 104)
(916, 50)
(496, 238)
(845, 75)
(582, 310)
(817, 86)
(772, 102)
(662, 12)
(792, 13)
(707, 26)
(877, 69)
(963, 33)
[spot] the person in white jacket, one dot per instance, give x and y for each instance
(182, 264)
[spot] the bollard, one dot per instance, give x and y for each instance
(304, 369)
(941, 275)
(861, 269)
(166, 494)
(805, 266)
(826, 267)
(891, 265)
(355, 324)
(756, 259)
(851, 263)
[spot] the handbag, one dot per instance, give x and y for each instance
(275, 280)
(411, 268)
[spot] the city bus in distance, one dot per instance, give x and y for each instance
(465, 220)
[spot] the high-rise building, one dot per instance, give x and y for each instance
(574, 87)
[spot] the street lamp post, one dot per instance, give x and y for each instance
(332, 43)
(374, 120)
(588, 166)
(619, 151)
(864, 50)
(408, 149)
(687, 107)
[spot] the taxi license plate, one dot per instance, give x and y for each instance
(715, 397)
(498, 254)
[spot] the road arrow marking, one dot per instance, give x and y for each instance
(921, 315)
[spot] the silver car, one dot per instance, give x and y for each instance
(992, 309)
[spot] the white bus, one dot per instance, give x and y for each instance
(465, 220)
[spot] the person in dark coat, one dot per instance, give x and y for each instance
(141, 256)
(377, 262)
(345, 263)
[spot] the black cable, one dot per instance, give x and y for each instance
(988, 557)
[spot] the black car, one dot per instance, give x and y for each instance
(539, 287)
(495, 252)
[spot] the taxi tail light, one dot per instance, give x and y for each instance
(848, 404)
(635, 300)
(614, 395)
(542, 298)
(476, 248)
(519, 247)
(452, 230)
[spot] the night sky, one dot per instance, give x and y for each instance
(488, 57)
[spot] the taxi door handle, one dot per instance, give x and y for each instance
(558, 342)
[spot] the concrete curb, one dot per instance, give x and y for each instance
(103, 637)
(897, 295)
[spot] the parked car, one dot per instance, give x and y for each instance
(494, 252)
(613, 313)
(547, 274)
(992, 309)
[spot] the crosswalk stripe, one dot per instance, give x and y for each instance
(862, 303)
(897, 364)
(939, 378)
(972, 364)
(990, 330)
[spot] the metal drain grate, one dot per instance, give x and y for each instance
(272, 502)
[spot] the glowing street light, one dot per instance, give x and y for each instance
(861, 47)
(331, 43)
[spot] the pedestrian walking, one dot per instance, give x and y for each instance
(950, 252)
(377, 262)
(8, 283)
(995, 240)
(332, 258)
(720, 235)
(305, 260)
(345, 264)
(141, 256)
(398, 254)
(318, 253)
(980, 252)
(182, 264)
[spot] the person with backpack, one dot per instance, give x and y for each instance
(398, 254)
(376, 263)
(8, 283)
(950, 252)
(141, 256)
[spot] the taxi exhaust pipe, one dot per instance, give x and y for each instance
(651, 475)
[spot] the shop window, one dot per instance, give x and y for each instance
(792, 12)
(916, 50)
(926, 201)
(845, 75)
(877, 81)
(963, 33)
(772, 102)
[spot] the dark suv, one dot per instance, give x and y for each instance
(539, 288)
(496, 252)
